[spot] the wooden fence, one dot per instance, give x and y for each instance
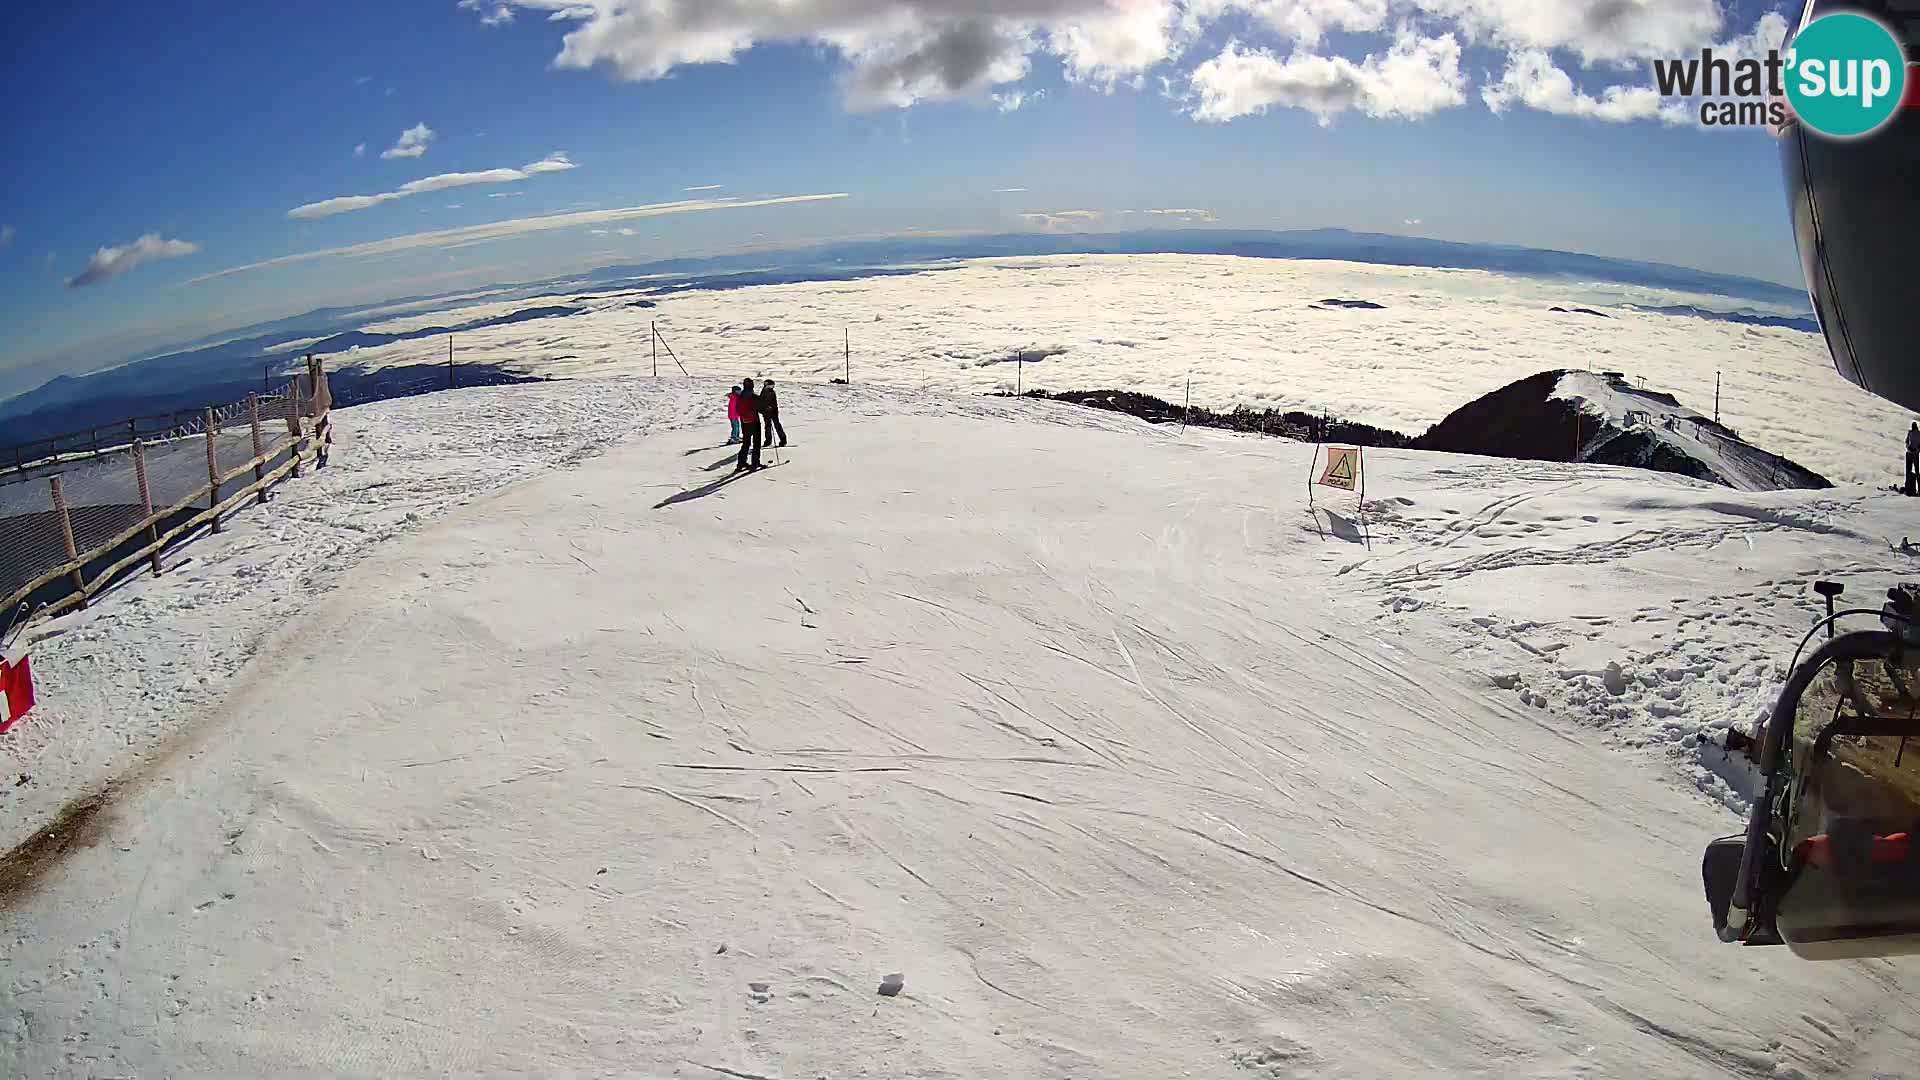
(130, 514)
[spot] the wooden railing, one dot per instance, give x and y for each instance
(303, 409)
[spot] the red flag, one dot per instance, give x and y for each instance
(16, 682)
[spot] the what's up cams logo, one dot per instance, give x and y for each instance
(1844, 75)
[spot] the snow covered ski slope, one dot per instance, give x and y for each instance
(1130, 766)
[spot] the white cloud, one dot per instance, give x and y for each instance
(1415, 78)
(1534, 81)
(491, 13)
(1189, 216)
(505, 194)
(1008, 190)
(359, 149)
(598, 232)
(898, 52)
(704, 187)
(7, 233)
(413, 142)
(558, 161)
(1127, 41)
(1594, 30)
(455, 205)
(1063, 220)
(1410, 221)
(363, 80)
(624, 231)
(111, 262)
(1014, 100)
(512, 227)
(1304, 22)
(554, 162)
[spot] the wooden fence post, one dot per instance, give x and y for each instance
(66, 536)
(259, 448)
(213, 467)
(294, 423)
(146, 499)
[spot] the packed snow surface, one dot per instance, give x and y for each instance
(1247, 331)
(1128, 763)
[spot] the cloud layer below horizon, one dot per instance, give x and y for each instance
(1249, 331)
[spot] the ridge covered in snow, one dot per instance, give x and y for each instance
(1127, 761)
(1580, 416)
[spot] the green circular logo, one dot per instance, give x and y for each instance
(1845, 75)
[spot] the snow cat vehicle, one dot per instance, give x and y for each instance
(1830, 863)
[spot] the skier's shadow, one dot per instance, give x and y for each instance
(698, 493)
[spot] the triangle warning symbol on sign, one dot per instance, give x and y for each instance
(1342, 469)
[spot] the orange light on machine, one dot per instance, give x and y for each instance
(1817, 851)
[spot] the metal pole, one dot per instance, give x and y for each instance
(1360, 466)
(450, 378)
(213, 468)
(674, 357)
(653, 335)
(1019, 372)
(1716, 397)
(1188, 408)
(848, 355)
(66, 536)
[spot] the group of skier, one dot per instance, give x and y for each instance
(755, 415)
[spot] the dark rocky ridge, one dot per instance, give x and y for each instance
(1524, 420)
(1293, 424)
(1521, 420)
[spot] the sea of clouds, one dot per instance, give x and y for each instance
(1246, 331)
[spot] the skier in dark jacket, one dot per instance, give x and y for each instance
(770, 415)
(749, 427)
(1913, 460)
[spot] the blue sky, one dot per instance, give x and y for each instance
(165, 150)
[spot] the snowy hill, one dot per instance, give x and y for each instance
(1130, 765)
(1579, 416)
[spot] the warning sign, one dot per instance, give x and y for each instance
(1343, 468)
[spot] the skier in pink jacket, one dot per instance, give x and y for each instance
(733, 414)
